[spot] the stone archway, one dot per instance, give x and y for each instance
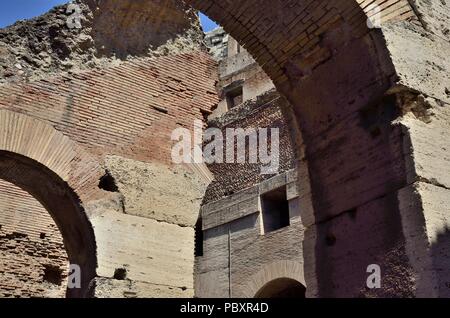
(277, 276)
(37, 158)
(349, 85)
(279, 33)
(282, 288)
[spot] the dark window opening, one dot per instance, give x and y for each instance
(199, 238)
(275, 210)
(234, 94)
(42, 236)
(108, 183)
(53, 275)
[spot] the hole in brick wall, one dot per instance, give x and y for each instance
(229, 192)
(108, 183)
(199, 238)
(120, 273)
(52, 274)
(160, 109)
(275, 210)
(330, 239)
(42, 236)
(205, 114)
(16, 235)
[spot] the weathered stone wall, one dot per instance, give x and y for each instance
(45, 45)
(236, 251)
(362, 153)
(129, 110)
(217, 43)
(236, 68)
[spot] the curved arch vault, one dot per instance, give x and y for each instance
(37, 159)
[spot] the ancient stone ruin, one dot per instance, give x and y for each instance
(92, 203)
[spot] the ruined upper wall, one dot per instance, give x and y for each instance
(111, 31)
(217, 43)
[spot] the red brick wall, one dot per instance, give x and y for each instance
(128, 110)
(232, 178)
(30, 242)
(118, 110)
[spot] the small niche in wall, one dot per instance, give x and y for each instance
(275, 210)
(52, 275)
(234, 94)
(108, 183)
(199, 238)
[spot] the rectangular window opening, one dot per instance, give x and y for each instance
(199, 238)
(234, 96)
(275, 210)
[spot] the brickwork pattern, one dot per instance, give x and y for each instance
(231, 178)
(276, 31)
(30, 245)
(128, 110)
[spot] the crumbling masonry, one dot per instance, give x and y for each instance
(87, 178)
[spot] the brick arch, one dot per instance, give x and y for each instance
(332, 67)
(271, 272)
(36, 140)
(322, 56)
(279, 33)
(37, 158)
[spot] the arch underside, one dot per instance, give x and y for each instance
(279, 33)
(63, 205)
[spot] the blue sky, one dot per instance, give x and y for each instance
(13, 10)
(207, 23)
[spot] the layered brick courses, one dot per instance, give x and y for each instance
(296, 29)
(30, 244)
(269, 111)
(70, 123)
(129, 110)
